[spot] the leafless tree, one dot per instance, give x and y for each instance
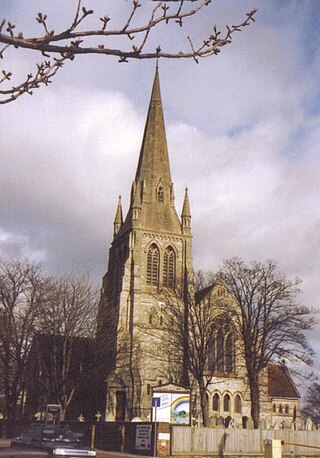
(59, 47)
(311, 406)
(23, 293)
(203, 279)
(270, 323)
(188, 321)
(67, 328)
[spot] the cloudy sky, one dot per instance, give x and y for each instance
(242, 128)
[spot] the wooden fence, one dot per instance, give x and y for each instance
(241, 442)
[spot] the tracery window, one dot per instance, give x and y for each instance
(221, 347)
(153, 259)
(169, 267)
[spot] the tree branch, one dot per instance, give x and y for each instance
(72, 42)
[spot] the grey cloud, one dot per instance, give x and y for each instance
(243, 132)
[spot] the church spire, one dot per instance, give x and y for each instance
(154, 160)
(118, 220)
(152, 196)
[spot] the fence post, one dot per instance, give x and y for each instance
(93, 435)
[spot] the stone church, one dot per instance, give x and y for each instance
(151, 252)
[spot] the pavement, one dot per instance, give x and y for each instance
(5, 443)
(106, 454)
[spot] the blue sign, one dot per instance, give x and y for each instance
(155, 402)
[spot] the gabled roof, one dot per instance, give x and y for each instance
(171, 388)
(201, 294)
(280, 384)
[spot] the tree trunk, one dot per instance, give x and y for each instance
(255, 398)
(11, 404)
(203, 403)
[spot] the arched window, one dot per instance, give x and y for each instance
(169, 267)
(221, 348)
(280, 408)
(274, 408)
(153, 258)
(216, 402)
(226, 403)
(286, 409)
(237, 404)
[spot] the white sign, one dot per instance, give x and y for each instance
(143, 437)
(164, 436)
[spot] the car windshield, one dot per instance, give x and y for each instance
(61, 435)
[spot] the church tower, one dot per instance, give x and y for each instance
(151, 252)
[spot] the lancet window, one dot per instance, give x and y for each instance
(169, 267)
(226, 403)
(237, 404)
(216, 402)
(153, 263)
(160, 194)
(221, 349)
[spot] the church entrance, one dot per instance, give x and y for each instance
(121, 402)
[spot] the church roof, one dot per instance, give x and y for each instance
(280, 384)
(201, 294)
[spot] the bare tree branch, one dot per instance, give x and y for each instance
(271, 325)
(23, 292)
(72, 42)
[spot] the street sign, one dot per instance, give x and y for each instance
(155, 402)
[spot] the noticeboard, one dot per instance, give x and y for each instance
(174, 408)
(143, 437)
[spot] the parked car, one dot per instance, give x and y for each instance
(56, 440)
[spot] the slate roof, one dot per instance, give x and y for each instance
(280, 384)
(201, 294)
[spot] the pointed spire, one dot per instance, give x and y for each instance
(118, 220)
(186, 206)
(154, 160)
(186, 213)
(152, 197)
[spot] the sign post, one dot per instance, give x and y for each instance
(155, 402)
